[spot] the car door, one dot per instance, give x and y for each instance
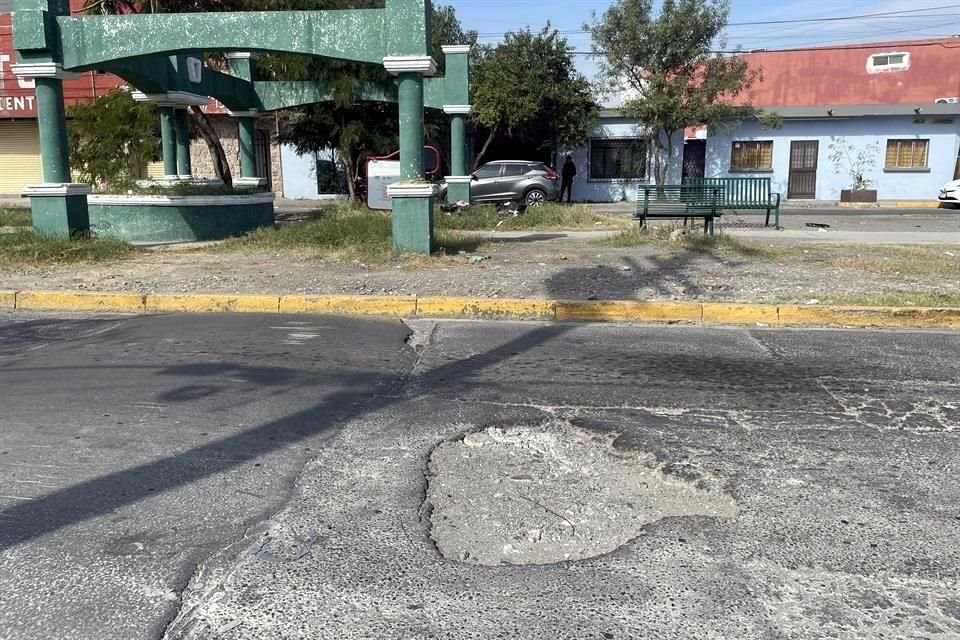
(486, 182)
(514, 181)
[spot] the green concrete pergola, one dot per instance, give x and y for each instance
(161, 56)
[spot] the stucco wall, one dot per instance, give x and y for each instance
(585, 189)
(859, 133)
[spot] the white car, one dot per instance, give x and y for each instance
(950, 193)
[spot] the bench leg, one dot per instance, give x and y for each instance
(767, 223)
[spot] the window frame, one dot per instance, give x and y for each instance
(925, 168)
(498, 167)
(874, 67)
(758, 169)
(641, 145)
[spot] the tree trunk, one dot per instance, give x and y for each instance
(348, 166)
(486, 146)
(220, 165)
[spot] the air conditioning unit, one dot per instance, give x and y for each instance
(953, 100)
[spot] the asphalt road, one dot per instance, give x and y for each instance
(267, 477)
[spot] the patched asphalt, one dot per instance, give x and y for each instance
(267, 477)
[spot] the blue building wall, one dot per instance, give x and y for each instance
(859, 133)
(587, 190)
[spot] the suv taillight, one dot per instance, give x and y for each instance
(551, 174)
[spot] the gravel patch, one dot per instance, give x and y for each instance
(558, 268)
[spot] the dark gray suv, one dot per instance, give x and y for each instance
(532, 183)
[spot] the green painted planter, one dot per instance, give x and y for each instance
(148, 219)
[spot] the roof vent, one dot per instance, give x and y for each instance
(953, 100)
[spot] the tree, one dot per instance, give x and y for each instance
(668, 65)
(357, 130)
(112, 138)
(528, 88)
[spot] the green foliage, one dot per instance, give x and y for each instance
(15, 218)
(340, 233)
(24, 247)
(130, 187)
(112, 137)
(528, 88)
(855, 164)
(666, 61)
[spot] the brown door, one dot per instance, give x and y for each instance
(803, 170)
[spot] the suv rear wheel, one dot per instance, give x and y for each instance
(535, 197)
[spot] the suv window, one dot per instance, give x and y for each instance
(516, 170)
(488, 171)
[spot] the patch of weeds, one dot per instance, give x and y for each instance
(549, 217)
(893, 298)
(695, 241)
(24, 247)
(340, 233)
(15, 218)
(906, 261)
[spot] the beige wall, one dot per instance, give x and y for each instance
(226, 128)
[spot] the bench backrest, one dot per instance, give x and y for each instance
(738, 189)
(692, 196)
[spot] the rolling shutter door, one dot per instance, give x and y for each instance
(19, 156)
(154, 171)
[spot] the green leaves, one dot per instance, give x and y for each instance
(112, 138)
(528, 88)
(667, 65)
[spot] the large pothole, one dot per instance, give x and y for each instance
(553, 493)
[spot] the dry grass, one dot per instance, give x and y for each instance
(15, 218)
(24, 247)
(549, 217)
(893, 299)
(342, 233)
(932, 261)
(694, 241)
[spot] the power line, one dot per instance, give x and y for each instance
(904, 14)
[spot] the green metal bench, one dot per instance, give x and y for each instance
(744, 193)
(673, 201)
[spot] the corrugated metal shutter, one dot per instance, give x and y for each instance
(19, 156)
(154, 171)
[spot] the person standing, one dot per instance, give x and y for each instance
(567, 174)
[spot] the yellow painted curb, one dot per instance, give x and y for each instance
(211, 303)
(486, 308)
(80, 301)
(890, 317)
(918, 204)
(8, 299)
(405, 306)
(726, 313)
(629, 311)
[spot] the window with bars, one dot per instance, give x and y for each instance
(618, 159)
(907, 154)
(752, 156)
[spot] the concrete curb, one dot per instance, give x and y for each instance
(692, 313)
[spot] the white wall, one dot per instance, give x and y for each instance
(858, 133)
(299, 174)
(587, 190)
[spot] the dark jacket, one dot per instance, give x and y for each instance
(569, 170)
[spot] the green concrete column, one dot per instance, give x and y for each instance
(168, 138)
(52, 122)
(412, 196)
(458, 182)
(248, 147)
(182, 125)
(410, 98)
(458, 145)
